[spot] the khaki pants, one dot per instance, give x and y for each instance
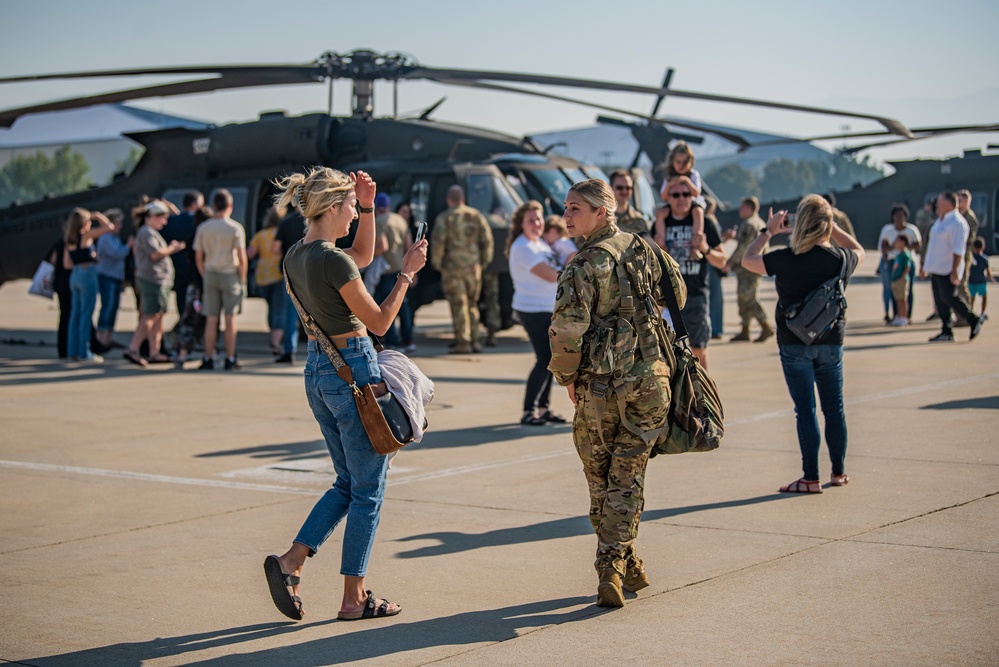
(461, 289)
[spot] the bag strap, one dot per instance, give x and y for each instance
(342, 369)
(666, 285)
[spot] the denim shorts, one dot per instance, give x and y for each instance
(696, 319)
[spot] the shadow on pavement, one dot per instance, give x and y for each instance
(378, 638)
(285, 451)
(982, 403)
(451, 542)
(485, 434)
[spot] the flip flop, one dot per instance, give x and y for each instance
(371, 610)
(280, 585)
(135, 358)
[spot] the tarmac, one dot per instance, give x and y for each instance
(137, 507)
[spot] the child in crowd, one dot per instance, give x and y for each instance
(557, 237)
(979, 275)
(900, 269)
(680, 162)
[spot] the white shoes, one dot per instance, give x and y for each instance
(899, 322)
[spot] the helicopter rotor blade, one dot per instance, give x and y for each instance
(918, 132)
(734, 138)
(247, 79)
(456, 75)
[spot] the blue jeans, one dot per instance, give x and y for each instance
(717, 301)
(84, 286)
(884, 270)
(290, 342)
(393, 336)
(110, 297)
(810, 367)
(275, 296)
(359, 488)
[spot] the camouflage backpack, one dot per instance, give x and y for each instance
(695, 420)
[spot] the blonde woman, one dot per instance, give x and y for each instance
(614, 458)
(808, 262)
(327, 282)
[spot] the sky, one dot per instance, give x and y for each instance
(913, 61)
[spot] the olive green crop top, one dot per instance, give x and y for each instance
(317, 271)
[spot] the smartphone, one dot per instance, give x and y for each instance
(421, 231)
(790, 220)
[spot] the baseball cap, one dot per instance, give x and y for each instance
(382, 200)
(157, 208)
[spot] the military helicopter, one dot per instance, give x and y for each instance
(412, 159)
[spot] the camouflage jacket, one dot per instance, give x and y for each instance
(744, 237)
(633, 221)
(588, 290)
(461, 239)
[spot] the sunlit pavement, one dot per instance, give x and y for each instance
(137, 506)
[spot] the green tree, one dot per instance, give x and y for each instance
(31, 177)
(787, 179)
(126, 165)
(847, 171)
(732, 182)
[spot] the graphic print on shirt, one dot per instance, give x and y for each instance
(678, 242)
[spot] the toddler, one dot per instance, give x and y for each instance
(979, 274)
(900, 268)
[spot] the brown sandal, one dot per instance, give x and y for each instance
(802, 486)
(839, 480)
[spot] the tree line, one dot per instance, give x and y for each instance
(28, 178)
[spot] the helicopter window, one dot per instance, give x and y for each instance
(644, 196)
(490, 196)
(419, 200)
(518, 185)
(575, 175)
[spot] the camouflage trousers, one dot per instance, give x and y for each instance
(490, 295)
(614, 466)
(747, 286)
(461, 289)
(962, 289)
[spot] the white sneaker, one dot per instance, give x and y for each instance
(898, 322)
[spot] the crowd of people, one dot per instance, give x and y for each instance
(569, 296)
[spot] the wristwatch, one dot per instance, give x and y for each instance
(365, 209)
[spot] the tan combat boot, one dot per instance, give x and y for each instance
(635, 578)
(741, 336)
(609, 593)
(766, 333)
(461, 348)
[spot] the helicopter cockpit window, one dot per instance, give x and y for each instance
(555, 185)
(419, 200)
(488, 194)
(518, 185)
(575, 175)
(645, 197)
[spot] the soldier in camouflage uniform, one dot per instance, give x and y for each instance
(460, 245)
(492, 318)
(589, 344)
(748, 282)
(629, 218)
(964, 208)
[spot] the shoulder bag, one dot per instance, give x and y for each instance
(384, 419)
(696, 417)
(43, 282)
(810, 318)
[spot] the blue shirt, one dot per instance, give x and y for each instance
(111, 254)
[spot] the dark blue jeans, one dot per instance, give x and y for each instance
(807, 368)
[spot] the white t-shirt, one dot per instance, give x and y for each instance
(531, 292)
(948, 237)
(890, 233)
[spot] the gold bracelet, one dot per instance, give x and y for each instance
(405, 276)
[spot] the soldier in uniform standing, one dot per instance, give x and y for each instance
(964, 208)
(629, 219)
(587, 308)
(748, 282)
(461, 244)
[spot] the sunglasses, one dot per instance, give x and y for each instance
(677, 195)
(623, 188)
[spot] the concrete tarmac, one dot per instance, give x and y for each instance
(137, 506)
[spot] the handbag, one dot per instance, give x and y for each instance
(43, 282)
(696, 420)
(810, 318)
(383, 416)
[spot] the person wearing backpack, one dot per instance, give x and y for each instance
(809, 261)
(609, 350)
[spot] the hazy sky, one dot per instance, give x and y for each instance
(915, 61)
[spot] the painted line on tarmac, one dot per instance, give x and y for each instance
(870, 398)
(165, 479)
(448, 472)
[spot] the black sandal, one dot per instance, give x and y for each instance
(280, 585)
(371, 610)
